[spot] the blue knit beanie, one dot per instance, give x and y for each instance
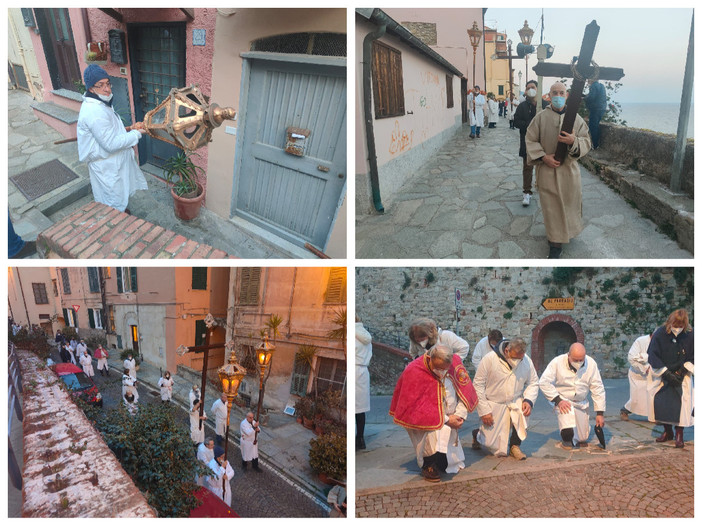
(218, 451)
(93, 74)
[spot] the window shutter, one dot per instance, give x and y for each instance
(449, 91)
(91, 320)
(200, 332)
(336, 286)
(120, 288)
(388, 91)
(199, 278)
(300, 378)
(65, 317)
(66, 281)
(93, 281)
(250, 283)
(133, 275)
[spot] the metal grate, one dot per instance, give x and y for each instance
(325, 44)
(160, 58)
(43, 179)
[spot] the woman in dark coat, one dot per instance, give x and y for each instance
(671, 354)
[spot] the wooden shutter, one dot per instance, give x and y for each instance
(65, 316)
(40, 297)
(336, 286)
(200, 332)
(91, 320)
(250, 283)
(388, 91)
(133, 275)
(199, 278)
(300, 378)
(449, 91)
(120, 288)
(93, 279)
(66, 282)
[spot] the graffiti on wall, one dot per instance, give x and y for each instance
(400, 140)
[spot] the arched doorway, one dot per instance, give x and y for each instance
(553, 336)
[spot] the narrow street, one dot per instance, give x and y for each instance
(266, 494)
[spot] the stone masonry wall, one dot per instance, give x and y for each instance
(613, 306)
(648, 152)
(68, 469)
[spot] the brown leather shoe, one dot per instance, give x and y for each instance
(430, 474)
(679, 437)
(665, 436)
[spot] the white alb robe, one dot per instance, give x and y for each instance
(559, 379)
(101, 361)
(130, 365)
(214, 482)
(129, 386)
(194, 395)
(457, 344)
(444, 440)
(249, 450)
(219, 410)
(197, 435)
(166, 385)
(501, 391)
(639, 370)
(364, 353)
(477, 118)
(87, 362)
(482, 348)
(204, 455)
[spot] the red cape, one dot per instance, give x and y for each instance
(416, 402)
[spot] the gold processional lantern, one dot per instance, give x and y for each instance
(186, 118)
(264, 354)
(230, 375)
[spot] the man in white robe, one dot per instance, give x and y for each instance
(87, 363)
(102, 355)
(424, 334)
(364, 353)
(194, 395)
(476, 107)
(638, 378)
(219, 410)
(566, 383)
(81, 347)
(248, 442)
(205, 453)
(507, 387)
(197, 431)
(484, 346)
(130, 364)
(221, 482)
(129, 385)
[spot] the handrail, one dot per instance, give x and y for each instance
(14, 387)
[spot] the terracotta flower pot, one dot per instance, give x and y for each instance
(188, 209)
(308, 422)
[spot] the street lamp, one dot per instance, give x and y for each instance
(474, 34)
(230, 375)
(525, 34)
(511, 77)
(264, 355)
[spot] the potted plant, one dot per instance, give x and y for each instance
(305, 407)
(186, 190)
(328, 457)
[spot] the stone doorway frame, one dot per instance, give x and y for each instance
(537, 337)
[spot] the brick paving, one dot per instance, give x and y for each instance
(654, 484)
(99, 231)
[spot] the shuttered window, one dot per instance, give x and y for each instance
(127, 279)
(40, 297)
(66, 282)
(95, 318)
(93, 279)
(70, 317)
(199, 278)
(388, 92)
(336, 286)
(449, 91)
(300, 378)
(249, 285)
(200, 332)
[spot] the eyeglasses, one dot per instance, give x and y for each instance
(103, 85)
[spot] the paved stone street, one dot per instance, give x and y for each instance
(266, 494)
(466, 202)
(630, 478)
(646, 485)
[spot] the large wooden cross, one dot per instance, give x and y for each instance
(581, 71)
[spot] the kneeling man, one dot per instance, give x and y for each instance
(566, 383)
(432, 398)
(507, 387)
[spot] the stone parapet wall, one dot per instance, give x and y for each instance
(648, 152)
(68, 469)
(510, 299)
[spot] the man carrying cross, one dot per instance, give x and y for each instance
(560, 190)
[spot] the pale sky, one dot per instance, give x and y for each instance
(653, 72)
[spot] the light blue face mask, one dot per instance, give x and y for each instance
(558, 102)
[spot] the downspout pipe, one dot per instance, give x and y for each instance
(367, 115)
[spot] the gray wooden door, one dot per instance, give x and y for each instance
(296, 197)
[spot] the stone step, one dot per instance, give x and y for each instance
(60, 113)
(672, 212)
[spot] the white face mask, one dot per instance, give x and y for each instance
(577, 365)
(676, 330)
(440, 372)
(105, 98)
(531, 92)
(514, 362)
(423, 343)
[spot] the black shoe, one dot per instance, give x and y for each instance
(360, 443)
(29, 249)
(554, 252)
(472, 136)
(624, 413)
(254, 462)
(475, 445)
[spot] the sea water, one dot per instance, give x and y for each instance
(660, 117)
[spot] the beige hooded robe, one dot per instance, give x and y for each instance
(560, 190)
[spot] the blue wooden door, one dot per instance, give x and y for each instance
(157, 56)
(296, 197)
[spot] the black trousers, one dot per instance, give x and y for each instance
(438, 460)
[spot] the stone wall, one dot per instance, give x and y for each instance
(68, 469)
(612, 306)
(648, 152)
